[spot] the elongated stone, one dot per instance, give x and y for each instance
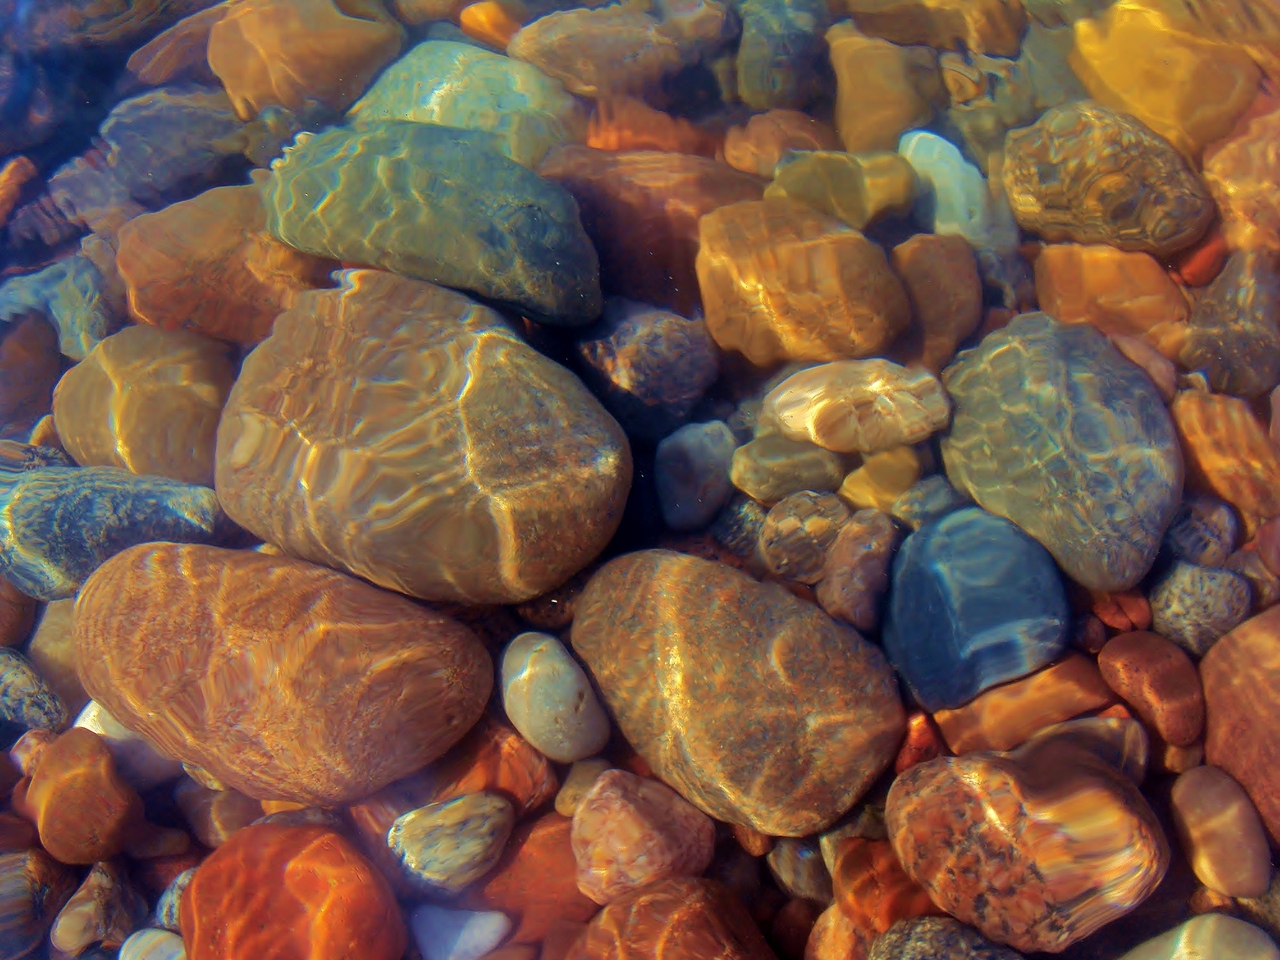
(1221, 833)
(33, 888)
(1210, 935)
(1159, 681)
(103, 912)
(25, 697)
(647, 626)
(549, 699)
(445, 846)
(309, 721)
(492, 226)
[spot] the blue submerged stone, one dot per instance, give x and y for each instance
(60, 523)
(975, 602)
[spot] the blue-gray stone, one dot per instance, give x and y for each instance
(928, 499)
(72, 295)
(691, 473)
(25, 698)
(936, 938)
(166, 912)
(440, 204)
(1204, 531)
(1233, 336)
(782, 52)
(648, 366)
(1055, 430)
(1195, 606)
(738, 524)
(974, 602)
(59, 524)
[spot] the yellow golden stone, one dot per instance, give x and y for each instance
(983, 26)
(147, 400)
(876, 95)
(1248, 24)
(1189, 90)
(882, 478)
(856, 188)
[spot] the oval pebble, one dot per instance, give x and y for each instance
(797, 533)
(549, 699)
(444, 934)
(151, 944)
(581, 776)
(445, 846)
(25, 698)
(1212, 936)
(691, 472)
(1193, 606)
(1221, 832)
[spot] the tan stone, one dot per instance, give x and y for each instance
(980, 26)
(857, 189)
(882, 478)
(52, 652)
(772, 467)
(876, 96)
(580, 778)
(757, 146)
(29, 368)
(940, 274)
(1244, 178)
(214, 815)
(1221, 833)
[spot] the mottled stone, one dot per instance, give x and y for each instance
(649, 367)
(167, 907)
(641, 210)
(26, 698)
(882, 478)
(137, 761)
(680, 918)
(691, 473)
(102, 912)
(1193, 606)
(459, 85)
(52, 654)
(936, 938)
(446, 846)
(1088, 174)
(1212, 935)
(328, 735)
(577, 782)
(1203, 531)
(444, 934)
(929, 499)
(70, 295)
(975, 602)
(603, 52)
(643, 628)
(29, 369)
(876, 96)
(857, 189)
(33, 888)
(626, 123)
(985, 26)
(1244, 179)
(454, 210)
(872, 889)
(773, 467)
(1157, 679)
(940, 275)
(855, 574)
(1233, 336)
(755, 265)
(999, 841)
(780, 53)
(861, 406)
(235, 905)
(152, 944)
(494, 511)
(797, 868)
(1098, 466)
(798, 531)
(1221, 833)
(549, 699)
(758, 145)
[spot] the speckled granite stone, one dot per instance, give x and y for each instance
(936, 938)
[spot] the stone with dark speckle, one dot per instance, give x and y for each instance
(25, 698)
(936, 938)
(1193, 606)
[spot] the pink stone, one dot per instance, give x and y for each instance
(629, 831)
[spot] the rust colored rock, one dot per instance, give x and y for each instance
(208, 264)
(782, 282)
(791, 926)
(179, 53)
(677, 919)
(625, 123)
(1229, 454)
(286, 52)
(1005, 716)
(981, 26)
(535, 881)
(836, 937)
(940, 274)
(1244, 178)
(753, 842)
(17, 614)
(16, 173)
(84, 810)
(492, 22)
(872, 888)
(924, 742)
(757, 146)
(289, 892)
(311, 686)
(856, 572)
(786, 739)
(1197, 266)
(1241, 678)
(1157, 679)
(29, 369)
(16, 833)
(641, 210)
(1122, 610)
(605, 52)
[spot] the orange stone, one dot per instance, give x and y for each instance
(208, 264)
(836, 937)
(1228, 454)
(560, 939)
(1123, 610)
(923, 742)
(757, 146)
(14, 175)
(83, 809)
(16, 833)
(275, 891)
(641, 210)
(1244, 178)
(1157, 679)
(30, 366)
(214, 815)
(752, 841)
(1197, 266)
(940, 275)
(1004, 717)
(285, 52)
(179, 53)
(492, 22)
(1115, 291)
(625, 123)
(872, 888)
(782, 282)
(17, 614)
(876, 96)
(681, 918)
(535, 881)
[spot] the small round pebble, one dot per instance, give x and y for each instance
(151, 944)
(166, 913)
(1157, 679)
(445, 846)
(691, 472)
(577, 782)
(797, 867)
(1193, 606)
(444, 934)
(1221, 832)
(936, 938)
(549, 699)
(797, 533)
(1203, 531)
(855, 574)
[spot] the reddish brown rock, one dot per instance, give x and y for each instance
(339, 688)
(923, 743)
(872, 888)
(753, 842)
(16, 833)
(289, 892)
(856, 571)
(179, 53)
(284, 52)
(836, 937)
(535, 881)
(1157, 679)
(1122, 610)
(29, 369)
(1241, 678)
(83, 809)
(678, 919)
(1197, 266)
(17, 614)
(757, 146)
(757, 268)
(14, 176)
(641, 210)
(208, 264)
(940, 275)
(791, 926)
(625, 123)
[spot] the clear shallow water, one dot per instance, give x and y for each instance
(683, 481)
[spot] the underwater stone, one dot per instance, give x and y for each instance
(858, 189)
(549, 699)
(29, 369)
(855, 574)
(33, 888)
(781, 50)
(798, 531)
(1233, 334)
(773, 467)
(691, 473)
(1193, 606)
(444, 934)
(936, 938)
(445, 846)
(166, 912)
(975, 602)
(153, 944)
(450, 208)
(1203, 531)
(102, 913)
(1212, 935)
(25, 698)
(1221, 833)
(929, 499)
(72, 296)
(1085, 432)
